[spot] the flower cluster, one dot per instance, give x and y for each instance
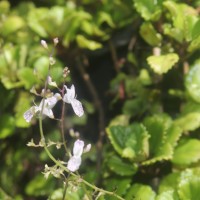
(47, 104)
(49, 101)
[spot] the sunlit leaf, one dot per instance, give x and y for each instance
(161, 64)
(148, 9)
(4, 6)
(142, 192)
(88, 44)
(34, 21)
(188, 122)
(150, 35)
(169, 183)
(167, 195)
(187, 152)
(192, 82)
(196, 30)
(194, 45)
(122, 120)
(11, 25)
(189, 184)
(184, 17)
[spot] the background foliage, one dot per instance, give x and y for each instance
(135, 65)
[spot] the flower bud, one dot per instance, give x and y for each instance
(44, 44)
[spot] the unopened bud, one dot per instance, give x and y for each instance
(156, 51)
(66, 72)
(55, 41)
(52, 61)
(44, 44)
(87, 148)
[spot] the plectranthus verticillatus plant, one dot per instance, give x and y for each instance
(44, 110)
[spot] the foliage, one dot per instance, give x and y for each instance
(143, 126)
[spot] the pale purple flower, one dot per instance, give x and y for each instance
(49, 103)
(75, 161)
(70, 98)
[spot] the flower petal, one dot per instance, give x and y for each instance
(77, 107)
(70, 94)
(28, 115)
(74, 163)
(78, 148)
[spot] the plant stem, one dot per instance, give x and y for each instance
(66, 170)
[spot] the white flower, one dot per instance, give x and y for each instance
(75, 161)
(69, 97)
(49, 103)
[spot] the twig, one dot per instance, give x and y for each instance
(114, 56)
(62, 123)
(99, 108)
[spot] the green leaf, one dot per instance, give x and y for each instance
(188, 122)
(122, 120)
(157, 127)
(41, 67)
(104, 17)
(187, 152)
(27, 77)
(22, 104)
(192, 81)
(130, 141)
(184, 185)
(120, 166)
(4, 7)
(145, 77)
(34, 21)
(39, 186)
(118, 185)
(160, 148)
(161, 64)
(7, 125)
(184, 18)
(9, 84)
(134, 107)
(167, 195)
(196, 30)
(173, 134)
(173, 32)
(53, 21)
(169, 182)
(189, 184)
(11, 25)
(194, 45)
(88, 44)
(148, 9)
(150, 35)
(140, 192)
(3, 195)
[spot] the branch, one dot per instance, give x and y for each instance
(99, 107)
